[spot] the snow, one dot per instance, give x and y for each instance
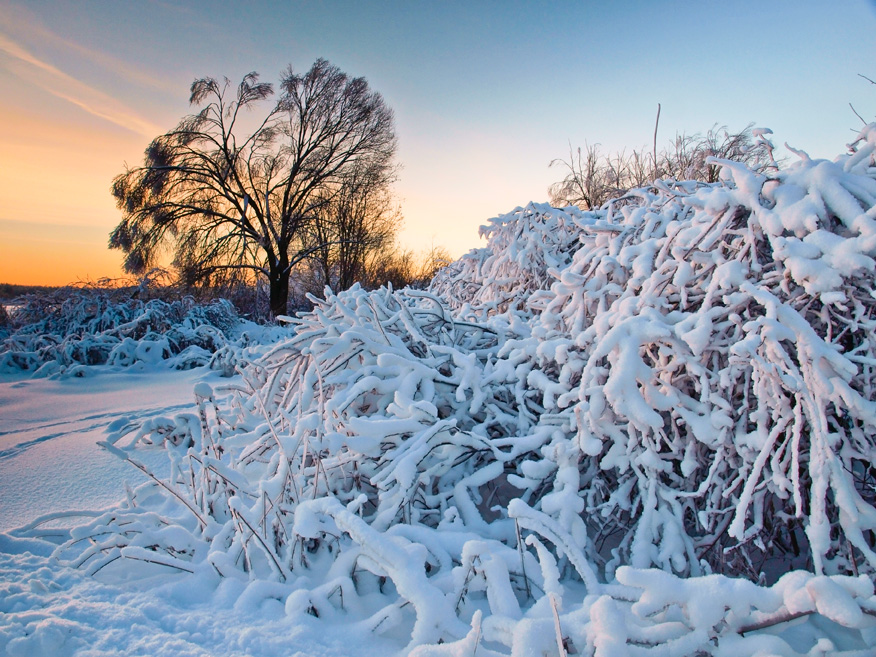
(46, 611)
(641, 430)
(49, 459)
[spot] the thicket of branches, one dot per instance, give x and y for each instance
(4, 321)
(709, 348)
(390, 264)
(593, 177)
(63, 331)
(677, 384)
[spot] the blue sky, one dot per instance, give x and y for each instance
(485, 94)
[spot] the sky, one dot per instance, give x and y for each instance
(485, 95)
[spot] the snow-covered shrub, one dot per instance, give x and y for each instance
(371, 419)
(525, 248)
(76, 327)
(4, 321)
(575, 417)
(711, 350)
(708, 353)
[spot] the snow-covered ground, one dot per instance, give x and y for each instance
(50, 463)
(49, 428)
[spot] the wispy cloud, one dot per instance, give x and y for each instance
(62, 85)
(28, 28)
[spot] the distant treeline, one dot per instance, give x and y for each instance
(9, 291)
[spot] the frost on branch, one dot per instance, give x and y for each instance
(591, 408)
(525, 250)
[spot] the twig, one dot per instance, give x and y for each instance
(120, 454)
(553, 599)
(858, 115)
(785, 617)
(656, 124)
(477, 637)
(264, 545)
(157, 563)
(522, 562)
(105, 564)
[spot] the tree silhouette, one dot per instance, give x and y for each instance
(231, 207)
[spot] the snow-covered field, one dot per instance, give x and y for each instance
(646, 430)
(49, 458)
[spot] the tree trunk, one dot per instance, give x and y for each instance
(279, 290)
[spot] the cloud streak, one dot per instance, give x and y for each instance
(29, 29)
(64, 86)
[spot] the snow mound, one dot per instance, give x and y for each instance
(605, 432)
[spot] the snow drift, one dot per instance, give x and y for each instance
(646, 429)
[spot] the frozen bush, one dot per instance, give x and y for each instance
(74, 327)
(524, 248)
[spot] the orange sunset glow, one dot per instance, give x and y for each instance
(56, 207)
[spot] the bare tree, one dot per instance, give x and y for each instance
(355, 222)
(688, 157)
(230, 206)
(433, 259)
(402, 267)
(589, 178)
